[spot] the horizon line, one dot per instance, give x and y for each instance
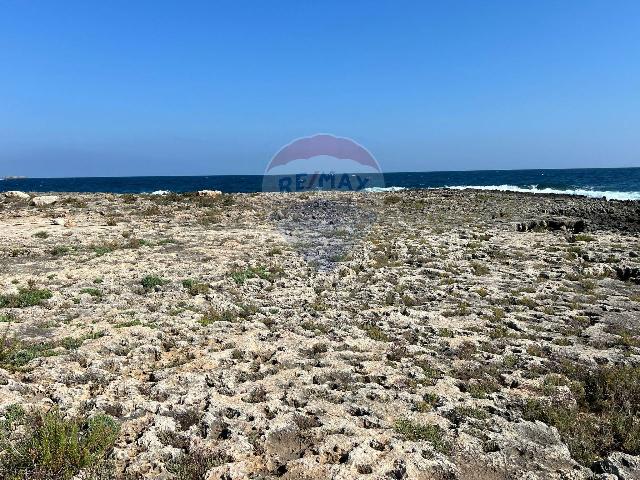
(21, 177)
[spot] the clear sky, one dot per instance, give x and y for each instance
(217, 87)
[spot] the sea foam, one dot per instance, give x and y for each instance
(609, 195)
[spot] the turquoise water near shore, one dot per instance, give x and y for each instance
(612, 183)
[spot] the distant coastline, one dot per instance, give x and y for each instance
(13, 177)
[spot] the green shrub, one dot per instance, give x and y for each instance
(214, 315)
(480, 269)
(129, 323)
(427, 432)
(446, 333)
(153, 282)
(375, 333)
(607, 415)
(195, 288)
(94, 292)
(60, 250)
(15, 355)
(26, 297)
(195, 464)
(584, 237)
(52, 446)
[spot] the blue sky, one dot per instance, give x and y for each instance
(217, 87)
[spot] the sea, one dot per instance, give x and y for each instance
(609, 183)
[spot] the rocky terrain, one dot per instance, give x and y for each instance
(419, 334)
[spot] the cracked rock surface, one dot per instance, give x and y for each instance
(418, 334)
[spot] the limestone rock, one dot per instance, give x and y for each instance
(209, 193)
(44, 200)
(17, 195)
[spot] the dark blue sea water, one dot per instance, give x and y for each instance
(613, 183)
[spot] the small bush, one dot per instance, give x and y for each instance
(26, 297)
(52, 446)
(60, 250)
(446, 333)
(153, 282)
(607, 415)
(94, 292)
(480, 269)
(214, 315)
(265, 273)
(41, 234)
(195, 288)
(427, 432)
(194, 464)
(375, 333)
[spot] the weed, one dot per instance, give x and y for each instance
(480, 269)
(427, 432)
(26, 297)
(41, 234)
(153, 282)
(195, 288)
(103, 249)
(445, 333)
(429, 400)
(606, 416)
(60, 250)
(627, 338)
(461, 310)
(314, 326)
(375, 333)
(94, 292)
(129, 323)
(53, 446)
(15, 355)
(214, 315)
(461, 413)
(392, 199)
(483, 387)
(195, 464)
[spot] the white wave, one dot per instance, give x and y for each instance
(383, 189)
(161, 192)
(609, 195)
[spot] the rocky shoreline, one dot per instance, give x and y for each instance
(432, 334)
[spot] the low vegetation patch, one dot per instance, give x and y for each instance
(15, 354)
(375, 333)
(153, 282)
(26, 297)
(606, 417)
(49, 446)
(427, 432)
(215, 315)
(60, 250)
(265, 273)
(94, 292)
(195, 288)
(194, 464)
(129, 323)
